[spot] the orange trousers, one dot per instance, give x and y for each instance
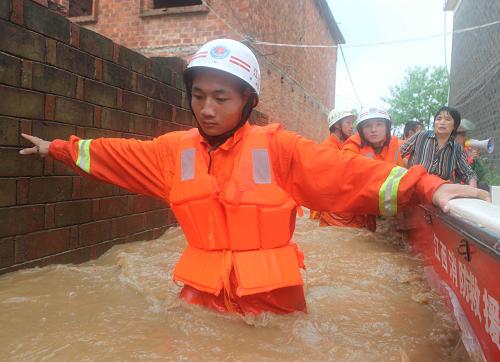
(279, 301)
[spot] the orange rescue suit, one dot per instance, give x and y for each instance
(331, 141)
(247, 223)
(249, 274)
(389, 153)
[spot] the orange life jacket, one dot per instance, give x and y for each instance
(246, 224)
(389, 153)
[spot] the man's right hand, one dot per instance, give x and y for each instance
(41, 146)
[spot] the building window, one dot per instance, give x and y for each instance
(171, 7)
(80, 8)
(159, 4)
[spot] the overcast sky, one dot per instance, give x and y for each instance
(374, 69)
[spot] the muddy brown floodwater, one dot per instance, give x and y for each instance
(367, 300)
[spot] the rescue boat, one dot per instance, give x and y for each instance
(461, 252)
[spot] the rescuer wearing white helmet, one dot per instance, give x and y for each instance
(234, 188)
(340, 125)
(374, 141)
(232, 58)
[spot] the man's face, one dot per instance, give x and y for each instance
(346, 126)
(217, 101)
(374, 131)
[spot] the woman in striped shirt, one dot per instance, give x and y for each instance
(437, 150)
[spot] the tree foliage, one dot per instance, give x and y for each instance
(420, 94)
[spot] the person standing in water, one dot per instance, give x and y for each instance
(235, 188)
(374, 141)
(340, 127)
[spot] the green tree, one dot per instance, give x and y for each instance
(420, 94)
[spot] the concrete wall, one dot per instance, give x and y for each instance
(297, 83)
(59, 79)
(475, 70)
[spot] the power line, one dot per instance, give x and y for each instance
(388, 42)
(350, 78)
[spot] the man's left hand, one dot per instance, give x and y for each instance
(446, 192)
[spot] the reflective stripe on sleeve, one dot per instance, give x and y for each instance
(388, 193)
(83, 160)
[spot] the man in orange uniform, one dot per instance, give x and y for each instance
(234, 188)
(340, 127)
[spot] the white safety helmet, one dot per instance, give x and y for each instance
(336, 116)
(229, 56)
(371, 113)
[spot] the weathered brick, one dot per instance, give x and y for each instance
(140, 203)
(157, 218)
(52, 80)
(22, 190)
(96, 44)
(7, 192)
(21, 42)
(133, 60)
(92, 189)
(134, 102)
(9, 131)
(74, 112)
(47, 22)
(161, 71)
(95, 232)
(100, 93)
(51, 130)
(116, 120)
(149, 87)
(45, 243)
(10, 70)
(144, 125)
(7, 252)
(14, 164)
(50, 107)
(113, 206)
(21, 103)
(127, 225)
(162, 111)
(141, 236)
(49, 189)
(5, 9)
(117, 76)
(94, 133)
(75, 61)
(73, 212)
(170, 95)
(21, 220)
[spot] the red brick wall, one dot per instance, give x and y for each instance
(297, 83)
(58, 79)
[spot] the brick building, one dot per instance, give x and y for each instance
(297, 83)
(475, 68)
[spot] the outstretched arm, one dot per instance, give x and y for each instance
(143, 167)
(322, 178)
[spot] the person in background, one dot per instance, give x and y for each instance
(412, 127)
(472, 154)
(340, 127)
(373, 141)
(235, 188)
(438, 151)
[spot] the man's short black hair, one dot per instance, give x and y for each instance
(411, 126)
